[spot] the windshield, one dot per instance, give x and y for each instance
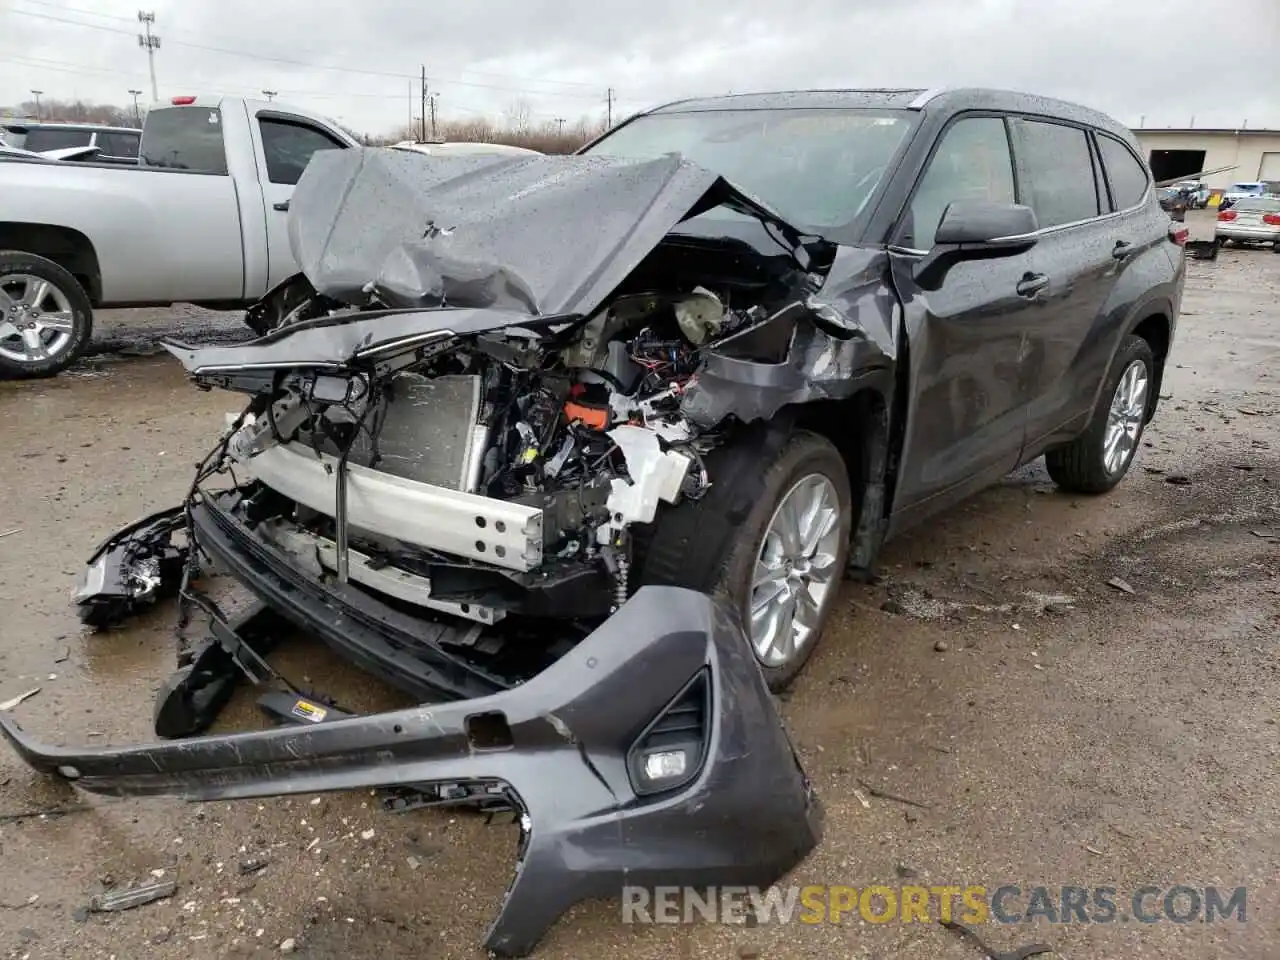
(1246, 188)
(816, 168)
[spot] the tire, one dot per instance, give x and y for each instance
(713, 544)
(41, 350)
(1082, 466)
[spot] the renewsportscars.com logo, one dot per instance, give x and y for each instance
(972, 904)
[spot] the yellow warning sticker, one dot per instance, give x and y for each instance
(306, 710)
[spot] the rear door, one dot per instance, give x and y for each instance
(287, 145)
(965, 421)
(1082, 248)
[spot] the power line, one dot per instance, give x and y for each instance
(299, 63)
(478, 73)
(62, 66)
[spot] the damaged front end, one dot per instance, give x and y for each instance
(491, 380)
(685, 779)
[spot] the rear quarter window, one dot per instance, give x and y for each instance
(119, 144)
(1059, 166)
(1128, 177)
(184, 138)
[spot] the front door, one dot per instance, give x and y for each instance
(287, 146)
(965, 418)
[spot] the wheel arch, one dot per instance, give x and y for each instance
(68, 248)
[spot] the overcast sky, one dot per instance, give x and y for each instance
(1162, 60)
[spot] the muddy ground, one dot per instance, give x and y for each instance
(1060, 731)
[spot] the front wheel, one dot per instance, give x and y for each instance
(770, 539)
(46, 319)
(1099, 458)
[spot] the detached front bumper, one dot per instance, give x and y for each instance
(667, 686)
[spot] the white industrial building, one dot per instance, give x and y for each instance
(1172, 153)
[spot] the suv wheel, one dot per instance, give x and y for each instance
(45, 316)
(770, 538)
(1100, 457)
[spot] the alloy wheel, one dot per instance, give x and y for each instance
(1124, 420)
(795, 570)
(36, 320)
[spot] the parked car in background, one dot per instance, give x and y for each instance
(201, 218)
(115, 144)
(1196, 192)
(1240, 191)
(1250, 220)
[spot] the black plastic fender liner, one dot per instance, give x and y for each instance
(561, 742)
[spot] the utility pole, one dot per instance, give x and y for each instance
(152, 44)
(422, 119)
(432, 100)
(137, 114)
(36, 94)
(609, 109)
(269, 94)
(560, 129)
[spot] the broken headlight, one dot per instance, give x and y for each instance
(670, 751)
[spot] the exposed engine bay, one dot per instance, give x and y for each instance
(571, 438)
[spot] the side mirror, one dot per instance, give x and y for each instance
(976, 230)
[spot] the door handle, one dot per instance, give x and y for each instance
(1031, 284)
(1122, 249)
(282, 206)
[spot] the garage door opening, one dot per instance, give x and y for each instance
(1176, 164)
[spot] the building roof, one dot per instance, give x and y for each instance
(1215, 131)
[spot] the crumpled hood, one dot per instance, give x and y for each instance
(539, 235)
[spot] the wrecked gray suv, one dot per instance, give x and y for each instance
(581, 447)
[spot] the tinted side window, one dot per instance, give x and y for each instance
(118, 144)
(289, 146)
(1060, 168)
(51, 138)
(1128, 177)
(972, 162)
(184, 138)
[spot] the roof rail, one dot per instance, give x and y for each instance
(920, 102)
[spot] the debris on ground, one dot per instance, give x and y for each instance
(14, 701)
(252, 865)
(41, 814)
(128, 899)
(1265, 534)
(941, 646)
(1022, 953)
(10, 533)
(886, 795)
(1178, 480)
(1121, 584)
(288, 945)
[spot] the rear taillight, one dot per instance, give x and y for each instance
(1271, 219)
(1178, 233)
(183, 101)
(1227, 215)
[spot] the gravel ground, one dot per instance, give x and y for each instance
(1056, 730)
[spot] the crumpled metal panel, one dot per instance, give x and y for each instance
(540, 235)
(746, 816)
(842, 334)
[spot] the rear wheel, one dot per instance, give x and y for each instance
(46, 319)
(770, 539)
(1099, 458)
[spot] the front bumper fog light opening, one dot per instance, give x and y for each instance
(670, 751)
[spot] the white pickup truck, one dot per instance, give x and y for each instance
(201, 219)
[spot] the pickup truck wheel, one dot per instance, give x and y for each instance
(1099, 459)
(770, 538)
(46, 319)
